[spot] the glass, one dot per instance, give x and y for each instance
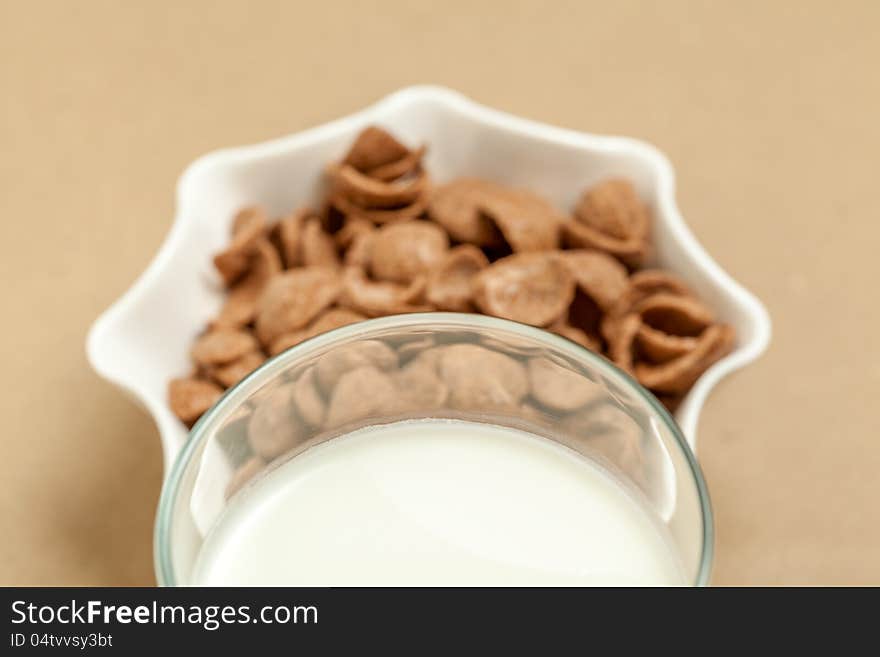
(574, 397)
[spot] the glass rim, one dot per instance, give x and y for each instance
(164, 568)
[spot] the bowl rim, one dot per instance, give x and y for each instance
(202, 430)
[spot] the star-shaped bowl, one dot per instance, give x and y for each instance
(143, 340)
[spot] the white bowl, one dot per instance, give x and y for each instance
(143, 340)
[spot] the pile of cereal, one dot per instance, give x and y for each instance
(387, 241)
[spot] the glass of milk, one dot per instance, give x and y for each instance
(431, 450)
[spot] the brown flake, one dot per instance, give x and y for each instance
(369, 193)
(405, 166)
(286, 341)
(484, 213)
(482, 379)
(248, 227)
(620, 342)
(610, 217)
(575, 334)
(376, 298)
(642, 285)
(402, 251)
(327, 321)
(292, 299)
(598, 275)
(659, 347)
(189, 398)
(613, 207)
(373, 148)
(360, 394)
(675, 315)
(274, 428)
(231, 373)
(533, 288)
(223, 345)
(678, 375)
(288, 234)
(352, 210)
(333, 319)
(241, 303)
(527, 221)
(428, 357)
(318, 249)
(411, 348)
(651, 281)
(451, 283)
(359, 252)
(558, 387)
(332, 365)
(632, 252)
(352, 228)
(608, 431)
(456, 207)
(308, 399)
(418, 388)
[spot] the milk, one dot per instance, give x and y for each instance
(438, 502)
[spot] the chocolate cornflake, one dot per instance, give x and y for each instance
(308, 399)
(332, 365)
(599, 276)
(287, 234)
(484, 213)
(329, 320)
(381, 216)
(248, 227)
(575, 334)
(379, 180)
(608, 431)
(369, 193)
(663, 335)
(274, 428)
(231, 373)
(559, 388)
(418, 387)
(451, 282)
(526, 221)
(292, 299)
(318, 248)
(481, 379)
(680, 373)
(374, 148)
(533, 288)
(401, 252)
(456, 207)
(376, 298)
(223, 345)
(240, 307)
(610, 217)
(360, 394)
(191, 397)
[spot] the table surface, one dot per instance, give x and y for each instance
(768, 110)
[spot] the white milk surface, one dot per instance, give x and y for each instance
(437, 502)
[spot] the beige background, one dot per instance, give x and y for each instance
(769, 110)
